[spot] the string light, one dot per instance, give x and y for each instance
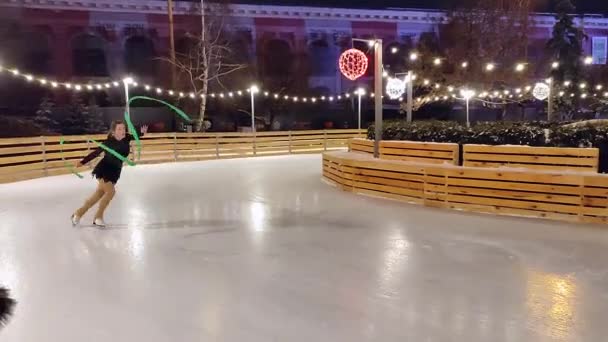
(520, 67)
(554, 65)
(464, 65)
(490, 67)
(588, 60)
(437, 61)
(413, 56)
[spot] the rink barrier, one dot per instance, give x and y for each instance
(27, 158)
(436, 153)
(513, 156)
(541, 158)
(557, 195)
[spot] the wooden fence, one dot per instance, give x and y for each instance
(436, 153)
(568, 196)
(542, 158)
(26, 158)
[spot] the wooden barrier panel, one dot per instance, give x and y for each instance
(567, 196)
(26, 158)
(437, 153)
(543, 158)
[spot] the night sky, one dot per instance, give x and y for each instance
(583, 6)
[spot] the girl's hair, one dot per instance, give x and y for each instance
(113, 126)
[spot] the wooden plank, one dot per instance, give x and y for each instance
(388, 181)
(413, 159)
(21, 159)
(556, 178)
(401, 198)
(516, 195)
(417, 153)
(531, 187)
(20, 150)
(389, 189)
(528, 166)
(530, 159)
(548, 151)
(447, 147)
(521, 204)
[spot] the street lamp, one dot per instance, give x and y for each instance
(360, 92)
(467, 94)
(253, 90)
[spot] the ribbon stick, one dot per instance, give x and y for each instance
(68, 165)
(131, 127)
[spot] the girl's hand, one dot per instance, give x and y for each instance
(144, 129)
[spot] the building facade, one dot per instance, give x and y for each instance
(72, 39)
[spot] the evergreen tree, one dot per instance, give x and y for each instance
(73, 117)
(93, 119)
(566, 48)
(45, 118)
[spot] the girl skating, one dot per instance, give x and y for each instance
(107, 172)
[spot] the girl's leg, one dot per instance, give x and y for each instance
(91, 201)
(108, 194)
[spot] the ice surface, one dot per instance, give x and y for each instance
(263, 250)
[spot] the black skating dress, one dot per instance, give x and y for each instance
(109, 167)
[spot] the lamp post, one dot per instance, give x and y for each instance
(253, 90)
(467, 94)
(378, 95)
(360, 92)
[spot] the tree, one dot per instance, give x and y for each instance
(566, 48)
(93, 119)
(479, 32)
(209, 58)
(72, 116)
(45, 116)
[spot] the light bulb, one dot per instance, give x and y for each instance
(464, 65)
(555, 65)
(490, 67)
(520, 67)
(437, 61)
(588, 60)
(413, 56)
(394, 50)
(159, 91)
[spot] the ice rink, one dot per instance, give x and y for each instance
(260, 250)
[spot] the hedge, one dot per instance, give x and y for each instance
(498, 133)
(551, 134)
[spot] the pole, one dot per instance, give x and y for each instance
(252, 111)
(171, 42)
(410, 90)
(359, 91)
(468, 120)
(550, 103)
(378, 96)
(126, 82)
(253, 90)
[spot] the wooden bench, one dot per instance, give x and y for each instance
(541, 158)
(434, 153)
(558, 195)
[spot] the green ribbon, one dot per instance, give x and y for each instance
(131, 127)
(68, 165)
(132, 131)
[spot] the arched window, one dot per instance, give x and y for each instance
(140, 56)
(88, 56)
(322, 59)
(278, 59)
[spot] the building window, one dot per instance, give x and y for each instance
(140, 56)
(599, 49)
(88, 56)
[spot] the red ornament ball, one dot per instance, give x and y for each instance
(353, 64)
